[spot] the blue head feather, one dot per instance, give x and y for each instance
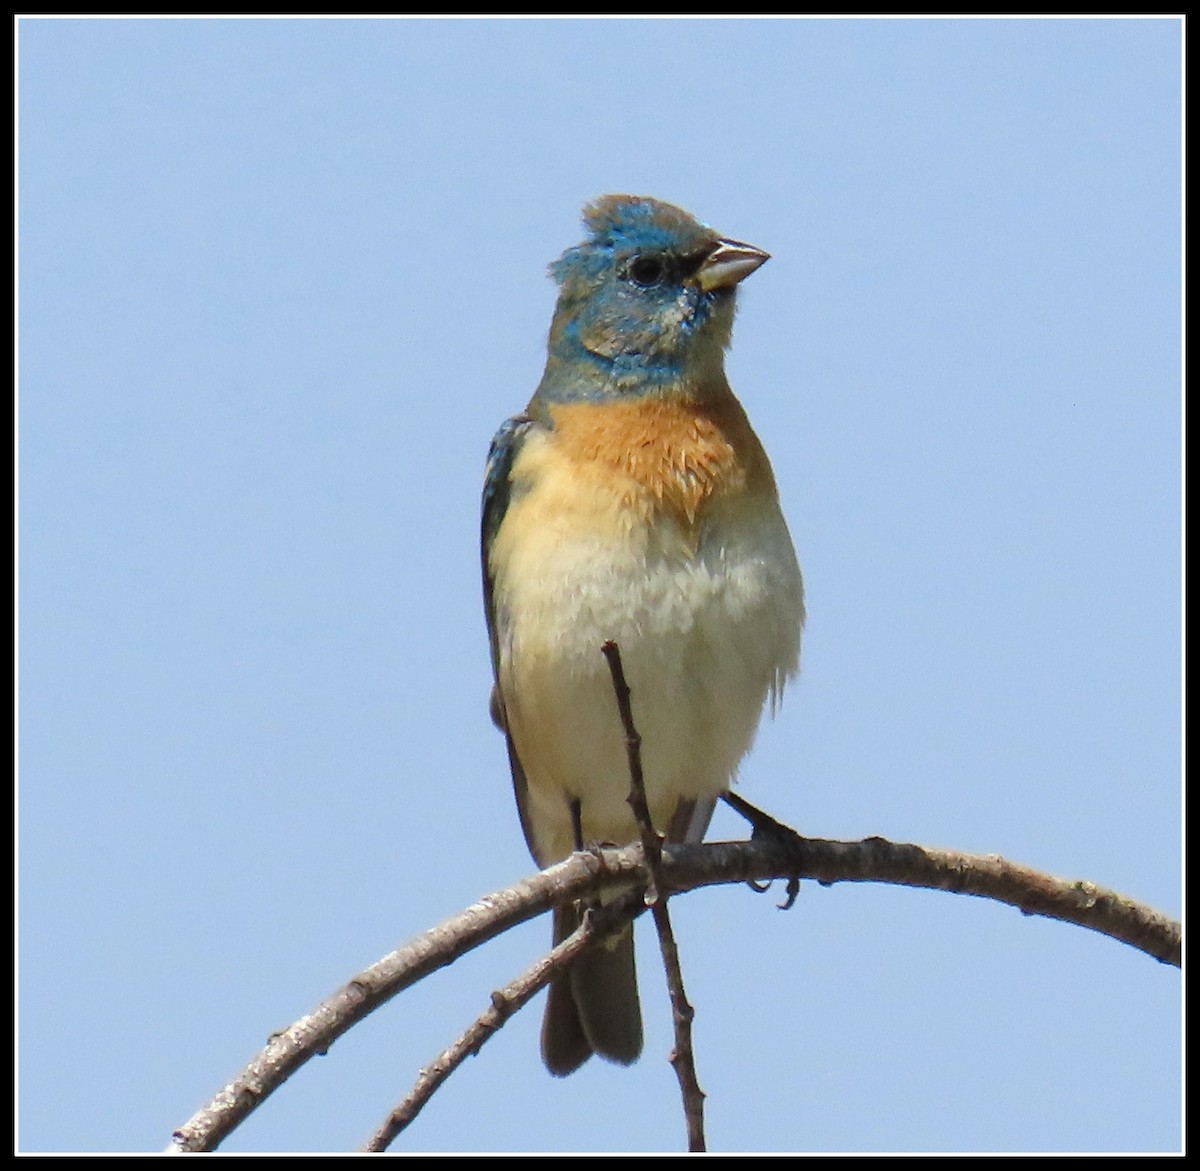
(631, 316)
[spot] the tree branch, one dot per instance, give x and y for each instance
(875, 859)
(312, 1035)
(684, 868)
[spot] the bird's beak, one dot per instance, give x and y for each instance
(728, 263)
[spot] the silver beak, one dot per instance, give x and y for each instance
(728, 263)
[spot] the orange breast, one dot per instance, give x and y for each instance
(664, 456)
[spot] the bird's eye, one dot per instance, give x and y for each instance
(647, 271)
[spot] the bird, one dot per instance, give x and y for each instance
(632, 502)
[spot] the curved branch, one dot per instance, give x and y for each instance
(313, 1034)
(1032, 892)
(684, 868)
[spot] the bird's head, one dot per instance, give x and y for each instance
(645, 303)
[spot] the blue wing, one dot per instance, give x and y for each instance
(497, 494)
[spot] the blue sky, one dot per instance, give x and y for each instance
(280, 281)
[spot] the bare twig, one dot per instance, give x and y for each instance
(507, 1001)
(651, 842)
(683, 1056)
(684, 868)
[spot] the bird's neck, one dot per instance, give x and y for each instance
(575, 373)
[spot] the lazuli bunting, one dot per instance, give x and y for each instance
(632, 501)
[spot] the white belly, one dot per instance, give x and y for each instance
(706, 637)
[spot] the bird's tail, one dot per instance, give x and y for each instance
(592, 1008)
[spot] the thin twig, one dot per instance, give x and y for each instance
(683, 1057)
(505, 1002)
(651, 842)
